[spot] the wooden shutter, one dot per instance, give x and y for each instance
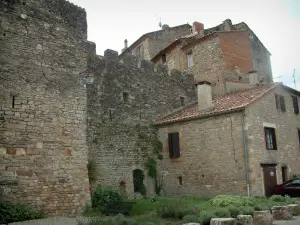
(282, 103)
(277, 101)
(170, 145)
(176, 148)
(295, 104)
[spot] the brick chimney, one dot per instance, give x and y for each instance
(253, 78)
(204, 93)
(198, 28)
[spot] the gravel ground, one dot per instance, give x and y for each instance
(295, 221)
(52, 221)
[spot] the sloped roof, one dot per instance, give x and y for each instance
(228, 103)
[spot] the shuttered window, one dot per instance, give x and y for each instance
(280, 102)
(270, 138)
(295, 104)
(174, 149)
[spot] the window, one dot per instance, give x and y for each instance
(163, 58)
(270, 138)
(182, 101)
(280, 102)
(295, 104)
(174, 149)
(180, 180)
(125, 97)
(189, 60)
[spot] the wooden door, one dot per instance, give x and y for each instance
(270, 179)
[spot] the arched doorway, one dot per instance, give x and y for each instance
(138, 182)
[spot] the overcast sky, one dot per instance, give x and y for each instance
(275, 22)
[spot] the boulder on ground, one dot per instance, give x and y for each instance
(262, 217)
(244, 220)
(223, 221)
(282, 213)
(295, 209)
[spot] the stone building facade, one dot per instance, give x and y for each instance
(122, 102)
(149, 44)
(43, 149)
(225, 148)
(223, 53)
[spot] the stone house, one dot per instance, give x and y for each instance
(243, 142)
(149, 44)
(224, 53)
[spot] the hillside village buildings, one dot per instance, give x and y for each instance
(225, 127)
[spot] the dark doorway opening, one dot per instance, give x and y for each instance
(284, 173)
(138, 182)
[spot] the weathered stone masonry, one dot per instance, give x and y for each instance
(119, 134)
(43, 151)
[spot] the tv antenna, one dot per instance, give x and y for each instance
(160, 24)
(294, 76)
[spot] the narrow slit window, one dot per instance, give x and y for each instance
(125, 97)
(164, 58)
(189, 60)
(13, 101)
(110, 115)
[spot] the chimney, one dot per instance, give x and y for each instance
(198, 28)
(204, 93)
(125, 45)
(253, 78)
(227, 25)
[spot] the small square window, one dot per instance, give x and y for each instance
(189, 60)
(125, 97)
(182, 101)
(180, 180)
(270, 138)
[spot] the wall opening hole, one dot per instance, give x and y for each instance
(182, 101)
(202, 175)
(24, 3)
(125, 97)
(4, 34)
(13, 101)
(180, 180)
(110, 115)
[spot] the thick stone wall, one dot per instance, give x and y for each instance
(211, 157)
(264, 113)
(43, 151)
(120, 138)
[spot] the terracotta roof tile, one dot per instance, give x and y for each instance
(227, 103)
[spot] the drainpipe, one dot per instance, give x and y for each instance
(246, 154)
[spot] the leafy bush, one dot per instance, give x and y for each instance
(234, 211)
(10, 212)
(104, 198)
(176, 209)
(205, 217)
(247, 210)
(227, 200)
(222, 213)
(261, 207)
(290, 200)
(191, 219)
(277, 198)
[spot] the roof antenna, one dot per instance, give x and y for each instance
(294, 78)
(160, 24)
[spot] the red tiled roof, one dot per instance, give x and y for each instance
(227, 103)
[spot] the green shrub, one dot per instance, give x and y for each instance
(222, 213)
(261, 207)
(234, 211)
(103, 198)
(247, 210)
(176, 209)
(191, 219)
(290, 200)
(227, 200)
(10, 212)
(205, 217)
(277, 198)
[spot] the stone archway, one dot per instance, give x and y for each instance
(138, 182)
